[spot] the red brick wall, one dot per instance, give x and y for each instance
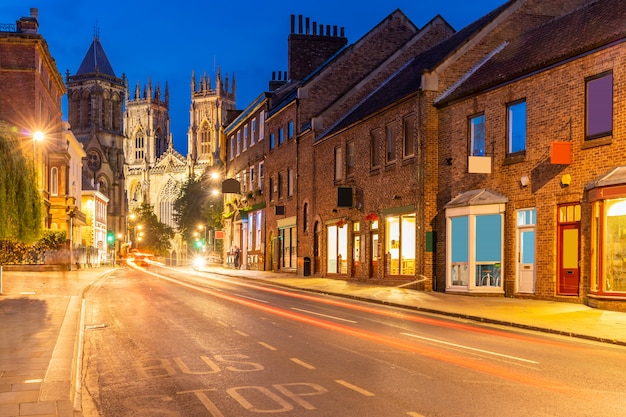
(555, 112)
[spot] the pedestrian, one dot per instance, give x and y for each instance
(237, 253)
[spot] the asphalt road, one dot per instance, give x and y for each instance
(159, 342)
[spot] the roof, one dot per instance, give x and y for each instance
(407, 80)
(476, 198)
(615, 176)
(95, 60)
(593, 26)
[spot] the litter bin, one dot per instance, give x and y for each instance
(306, 270)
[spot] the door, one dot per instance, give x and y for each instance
(374, 255)
(569, 257)
(526, 261)
(356, 254)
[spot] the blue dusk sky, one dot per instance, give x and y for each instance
(166, 40)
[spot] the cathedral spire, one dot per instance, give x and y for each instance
(167, 94)
(193, 81)
(137, 91)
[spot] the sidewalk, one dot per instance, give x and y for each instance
(41, 326)
(40, 337)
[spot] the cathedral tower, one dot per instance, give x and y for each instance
(95, 97)
(154, 170)
(211, 109)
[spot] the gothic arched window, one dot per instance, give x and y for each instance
(205, 139)
(139, 146)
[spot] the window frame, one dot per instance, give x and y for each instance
(595, 104)
(350, 159)
(391, 154)
(471, 131)
(408, 139)
(511, 126)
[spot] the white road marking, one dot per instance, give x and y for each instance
(412, 414)
(323, 315)
(241, 333)
(354, 387)
(302, 363)
(470, 348)
(270, 347)
(253, 299)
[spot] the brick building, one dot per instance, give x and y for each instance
(31, 89)
(531, 160)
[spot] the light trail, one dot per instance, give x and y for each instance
(396, 314)
(471, 364)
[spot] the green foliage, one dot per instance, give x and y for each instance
(20, 202)
(196, 205)
(45, 250)
(156, 237)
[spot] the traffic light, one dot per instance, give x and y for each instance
(110, 238)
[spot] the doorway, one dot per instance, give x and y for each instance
(526, 277)
(568, 243)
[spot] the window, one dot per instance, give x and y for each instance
(290, 182)
(252, 177)
(477, 135)
(259, 223)
(280, 186)
(245, 137)
(609, 244)
(253, 132)
(475, 248)
(205, 140)
(261, 125)
(516, 127)
(408, 149)
(139, 143)
(400, 244)
(281, 136)
(338, 164)
(54, 181)
(238, 142)
(391, 143)
(231, 147)
(290, 130)
(599, 106)
(272, 139)
(337, 248)
(272, 190)
(350, 159)
(375, 148)
(261, 175)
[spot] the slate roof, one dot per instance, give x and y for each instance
(96, 60)
(593, 26)
(407, 80)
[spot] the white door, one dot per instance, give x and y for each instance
(526, 260)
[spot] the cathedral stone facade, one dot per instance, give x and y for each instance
(95, 97)
(130, 153)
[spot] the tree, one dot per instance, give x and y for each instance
(157, 236)
(20, 201)
(198, 205)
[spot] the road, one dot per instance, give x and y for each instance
(167, 342)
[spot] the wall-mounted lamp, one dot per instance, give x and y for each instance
(566, 180)
(524, 181)
(396, 197)
(449, 161)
